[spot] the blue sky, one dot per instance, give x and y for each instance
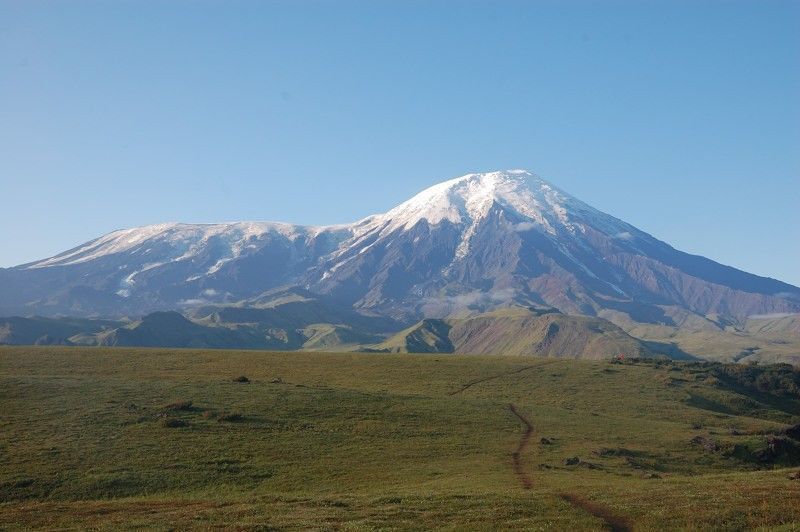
(682, 118)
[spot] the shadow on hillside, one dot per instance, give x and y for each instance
(755, 388)
(669, 349)
(764, 399)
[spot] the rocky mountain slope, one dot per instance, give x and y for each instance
(470, 245)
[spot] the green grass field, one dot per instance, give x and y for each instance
(104, 438)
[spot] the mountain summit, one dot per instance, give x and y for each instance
(470, 198)
(471, 244)
(527, 201)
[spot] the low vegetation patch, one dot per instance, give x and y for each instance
(613, 451)
(179, 406)
(229, 417)
(173, 422)
(706, 443)
(782, 380)
(776, 379)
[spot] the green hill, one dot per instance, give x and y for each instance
(172, 329)
(517, 331)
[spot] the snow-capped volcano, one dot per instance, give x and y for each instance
(472, 243)
(527, 203)
(479, 230)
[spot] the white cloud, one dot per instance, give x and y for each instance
(474, 298)
(524, 226)
(787, 295)
(192, 302)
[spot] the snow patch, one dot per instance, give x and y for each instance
(188, 240)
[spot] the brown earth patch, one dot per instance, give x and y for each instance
(524, 478)
(614, 522)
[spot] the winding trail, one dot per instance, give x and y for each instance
(615, 522)
(491, 377)
(526, 481)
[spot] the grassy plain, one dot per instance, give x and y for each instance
(104, 438)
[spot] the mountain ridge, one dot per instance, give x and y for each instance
(518, 331)
(470, 245)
